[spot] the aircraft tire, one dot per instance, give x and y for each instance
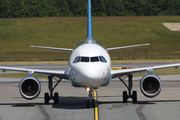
(87, 103)
(56, 98)
(46, 98)
(93, 103)
(134, 96)
(125, 96)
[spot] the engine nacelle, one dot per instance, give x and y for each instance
(30, 87)
(150, 85)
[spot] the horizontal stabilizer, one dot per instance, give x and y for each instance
(124, 47)
(53, 48)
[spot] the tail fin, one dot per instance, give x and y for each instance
(89, 23)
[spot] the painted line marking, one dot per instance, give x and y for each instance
(140, 113)
(96, 111)
(44, 113)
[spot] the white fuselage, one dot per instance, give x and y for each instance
(90, 65)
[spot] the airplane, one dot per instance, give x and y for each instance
(89, 67)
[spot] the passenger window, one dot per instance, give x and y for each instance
(94, 59)
(77, 59)
(102, 59)
(84, 59)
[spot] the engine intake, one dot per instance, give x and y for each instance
(150, 85)
(30, 87)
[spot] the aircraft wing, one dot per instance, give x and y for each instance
(58, 73)
(124, 47)
(121, 72)
(53, 48)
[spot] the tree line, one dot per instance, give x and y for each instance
(61, 8)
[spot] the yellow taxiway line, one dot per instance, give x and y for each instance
(96, 113)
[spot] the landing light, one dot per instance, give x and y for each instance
(87, 89)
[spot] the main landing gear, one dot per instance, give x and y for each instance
(126, 95)
(90, 102)
(48, 97)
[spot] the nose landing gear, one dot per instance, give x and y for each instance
(91, 97)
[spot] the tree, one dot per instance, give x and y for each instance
(63, 8)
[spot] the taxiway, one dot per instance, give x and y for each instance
(72, 104)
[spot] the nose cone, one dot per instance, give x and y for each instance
(93, 74)
(94, 71)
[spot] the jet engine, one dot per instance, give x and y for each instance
(150, 85)
(30, 87)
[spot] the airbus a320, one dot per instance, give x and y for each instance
(89, 67)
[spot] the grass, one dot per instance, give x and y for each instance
(31, 62)
(167, 71)
(21, 75)
(16, 35)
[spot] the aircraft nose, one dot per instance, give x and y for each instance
(95, 72)
(90, 75)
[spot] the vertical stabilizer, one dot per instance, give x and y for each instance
(89, 23)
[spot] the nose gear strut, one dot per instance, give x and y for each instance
(90, 102)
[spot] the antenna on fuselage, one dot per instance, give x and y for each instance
(89, 23)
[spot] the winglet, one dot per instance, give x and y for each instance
(89, 23)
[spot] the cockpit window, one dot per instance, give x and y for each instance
(89, 59)
(102, 59)
(84, 59)
(94, 59)
(77, 59)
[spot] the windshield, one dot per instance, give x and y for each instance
(89, 59)
(94, 59)
(84, 59)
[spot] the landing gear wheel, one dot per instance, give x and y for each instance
(134, 96)
(125, 96)
(56, 98)
(87, 103)
(90, 104)
(46, 98)
(93, 103)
